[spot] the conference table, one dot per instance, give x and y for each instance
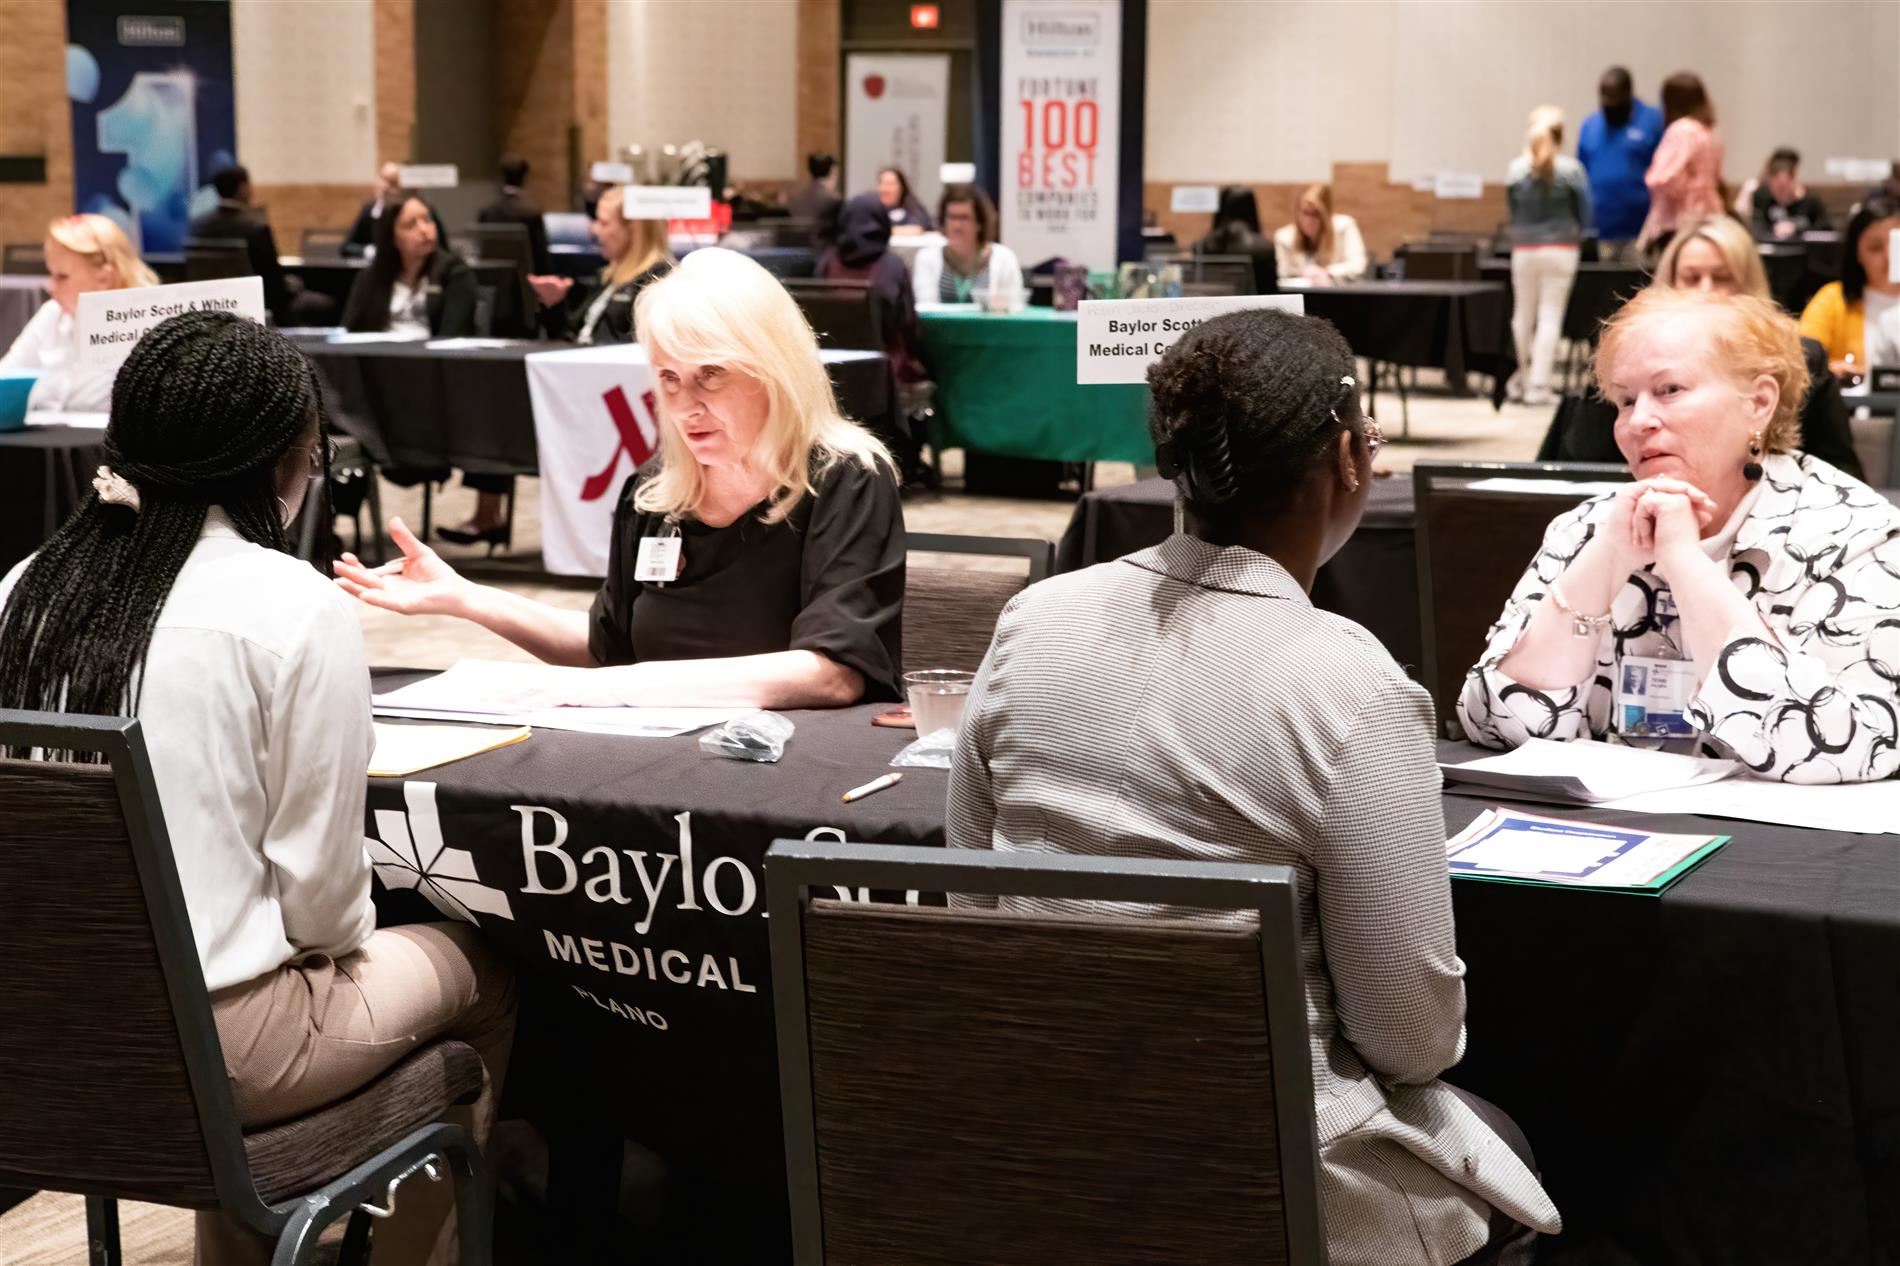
(1599, 290)
(45, 471)
(1705, 1076)
(20, 298)
(1459, 327)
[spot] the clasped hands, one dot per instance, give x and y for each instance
(1658, 520)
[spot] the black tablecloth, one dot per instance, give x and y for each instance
(44, 472)
(1373, 580)
(1599, 290)
(508, 316)
(468, 408)
(1705, 1076)
(1456, 326)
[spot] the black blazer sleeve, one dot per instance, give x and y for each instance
(538, 244)
(1825, 430)
(364, 230)
(357, 316)
(263, 248)
(452, 308)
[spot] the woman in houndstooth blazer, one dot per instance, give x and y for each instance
(1189, 701)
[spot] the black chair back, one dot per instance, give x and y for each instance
(1479, 525)
(950, 614)
(214, 258)
(24, 259)
(844, 314)
(323, 243)
(976, 1085)
(107, 1049)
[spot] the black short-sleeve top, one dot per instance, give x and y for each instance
(829, 577)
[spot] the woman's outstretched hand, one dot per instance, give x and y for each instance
(418, 583)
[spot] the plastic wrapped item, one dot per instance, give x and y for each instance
(759, 736)
(932, 751)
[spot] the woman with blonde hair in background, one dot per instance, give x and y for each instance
(1319, 248)
(84, 253)
(1549, 197)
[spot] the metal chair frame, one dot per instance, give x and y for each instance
(1041, 555)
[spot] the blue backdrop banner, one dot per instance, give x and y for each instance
(153, 115)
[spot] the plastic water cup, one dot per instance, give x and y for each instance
(937, 696)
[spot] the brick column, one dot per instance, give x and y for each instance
(819, 66)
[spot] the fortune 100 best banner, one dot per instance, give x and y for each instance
(1060, 119)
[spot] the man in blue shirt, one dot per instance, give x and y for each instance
(1615, 146)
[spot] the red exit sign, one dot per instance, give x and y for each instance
(923, 17)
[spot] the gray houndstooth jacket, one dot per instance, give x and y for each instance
(1189, 701)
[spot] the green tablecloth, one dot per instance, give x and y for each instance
(1006, 385)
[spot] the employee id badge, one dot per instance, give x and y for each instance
(1653, 696)
(659, 560)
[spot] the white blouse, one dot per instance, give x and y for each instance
(409, 311)
(256, 715)
(50, 344)
(1349, 261)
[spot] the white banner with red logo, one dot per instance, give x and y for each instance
(897, 111)
(594, 424)
(1060, 120)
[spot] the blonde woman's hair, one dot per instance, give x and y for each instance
(1731, 240)
(1546, 136)
(719, 307)
(99, 240)
(1750, 336)
(1318, 194)
(646, 242)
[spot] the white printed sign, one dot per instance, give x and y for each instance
(666, 202)
(897, 114)
(1195, 198)
(111, 322)
(957, 173)
(429, 176)
(1061, 126)
(1859, 171)
(1458, 184)
(611, 173)
(595, 421)
(1117, 339)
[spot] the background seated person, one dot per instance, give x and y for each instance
(601, 311)
(1738, 599)
(172, 595)
(84, 253)
(514, 207)
(863, 253)
(1128, 710)
(415, 287)
(235, 219)
(907, 211)
(363, 230)
(789, 583)
(1319, 248)
(1840, 311)
(971, 258)
(1715, 256)
(1236, 231)
(816, 203)
(1781, 206)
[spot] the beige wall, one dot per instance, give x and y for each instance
(1280, 90)
(305, 82)
(720, 71)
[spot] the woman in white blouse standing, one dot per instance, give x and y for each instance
(971, 258)
(1739, 598)
(84, 253)
(172, 595)
(1319, 248)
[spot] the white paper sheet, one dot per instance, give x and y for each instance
(1548, 487)
(496, 694)
(1587, 772)
(1868, 808)
(53, 417)
(1503, 842)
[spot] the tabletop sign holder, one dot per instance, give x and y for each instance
(111, 322)
(1458, 184)
(611, 173)
(667, 202)
(428, 176)
(957, 173)
(1196, 199)
(1117, 339)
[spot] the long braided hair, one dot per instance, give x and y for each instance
(203, 410)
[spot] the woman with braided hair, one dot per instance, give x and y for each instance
(171, 595)
(1249, 726)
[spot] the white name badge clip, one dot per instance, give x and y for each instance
(1653, 697)
(659, 559)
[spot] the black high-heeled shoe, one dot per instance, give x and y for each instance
(494, 537)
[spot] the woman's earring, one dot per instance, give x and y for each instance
(283, 509)
(1751, 470)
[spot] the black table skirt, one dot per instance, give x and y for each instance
(44, 473)
(1599, 290)
(1456, 326)
(1373, 581)
(1705, 1076)
(469, 409)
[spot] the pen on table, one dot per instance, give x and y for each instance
(875, 785)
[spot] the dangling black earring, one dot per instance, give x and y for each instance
(1751, 470)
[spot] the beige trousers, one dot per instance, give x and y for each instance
(314, 1030)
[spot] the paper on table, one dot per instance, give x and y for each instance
(1502, 843)
(495, 693)
(1867, 808)
(1549, 487)
(458, 344)
(1586, 771)
(369, 336)
(408, 749)
(54, 417)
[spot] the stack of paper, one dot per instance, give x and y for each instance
(1521, 848)
(1586, 772)
(409, 749)
(495, 693)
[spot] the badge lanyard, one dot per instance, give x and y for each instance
(661, 558)
(1653, 692)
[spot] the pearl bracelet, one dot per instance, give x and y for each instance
(1581, 625)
